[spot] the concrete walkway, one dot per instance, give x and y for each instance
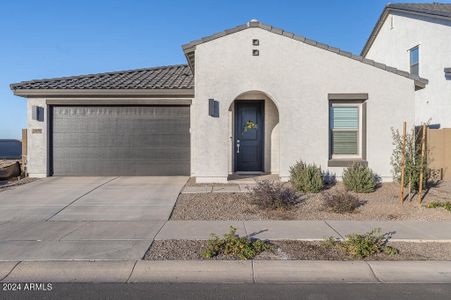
(306, 230)
(280, 271)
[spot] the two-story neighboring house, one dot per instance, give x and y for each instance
(417, 38)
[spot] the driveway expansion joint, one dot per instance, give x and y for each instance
(78, 198)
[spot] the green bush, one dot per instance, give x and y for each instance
(363, 245)
(306, 178)
(435, 204)
(235, 246)
(359, 178)
(341, 202)
(272, 195)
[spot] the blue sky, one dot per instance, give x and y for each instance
(45, 39)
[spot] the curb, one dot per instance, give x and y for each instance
(258, 271)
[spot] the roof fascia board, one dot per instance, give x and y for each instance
(104, 92)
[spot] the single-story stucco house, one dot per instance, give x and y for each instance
(252, 99)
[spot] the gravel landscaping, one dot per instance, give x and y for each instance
(383, 204)
(300, 250)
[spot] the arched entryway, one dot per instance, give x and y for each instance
(254, 134)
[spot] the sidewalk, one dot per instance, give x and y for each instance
(415, 231)
(228, 271)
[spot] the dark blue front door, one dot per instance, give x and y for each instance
(249, 135)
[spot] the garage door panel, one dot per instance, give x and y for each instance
(71, 140)
(152, 140)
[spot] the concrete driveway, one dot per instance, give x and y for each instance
(62, 218)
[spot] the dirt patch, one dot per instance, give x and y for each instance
(9, 184)
(383, 204)
(7, 162)
(299, 250)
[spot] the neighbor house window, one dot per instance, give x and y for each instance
(345, 129)
(414, 61)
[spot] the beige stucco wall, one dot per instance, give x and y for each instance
(403, 31)
(298, 78)
(37, 142)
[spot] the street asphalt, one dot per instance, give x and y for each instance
(343, 291)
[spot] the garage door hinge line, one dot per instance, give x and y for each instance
(48, 219)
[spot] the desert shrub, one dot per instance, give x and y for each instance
(363, 245)
(413, 164)
(306, 178)
(341, 202)
(235, 246)
(435, 204)
(359, 178)
(273, 195)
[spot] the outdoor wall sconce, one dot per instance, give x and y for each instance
(255, 42)
(255, 52)
(37, 113)
(213, 108)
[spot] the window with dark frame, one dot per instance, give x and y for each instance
(344, 129)
(415, 61)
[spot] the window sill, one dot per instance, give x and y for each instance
(345, 162)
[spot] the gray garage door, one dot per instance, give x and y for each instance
(118, 140)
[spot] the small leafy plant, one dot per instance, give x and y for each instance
(435, 204)
(235, 246)
(363, 245)
(273, 195)
(414, 165)
(341, 202)
(359, 178)
(306, 178)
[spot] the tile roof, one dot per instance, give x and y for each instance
(190, 48)
(165, 77)
(441, 10)
(435, 8)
